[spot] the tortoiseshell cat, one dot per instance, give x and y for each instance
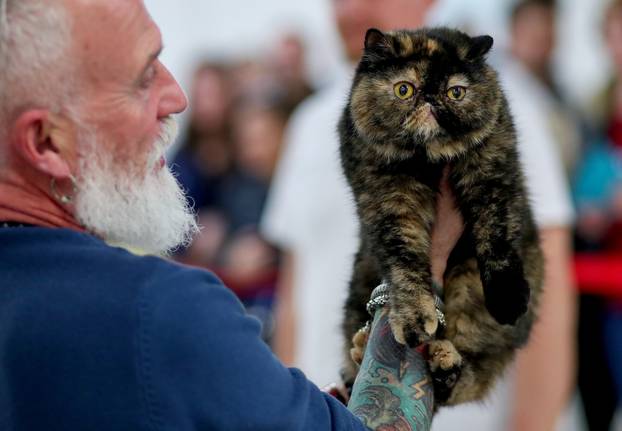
(423, 101)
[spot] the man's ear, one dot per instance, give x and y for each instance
(46, 142)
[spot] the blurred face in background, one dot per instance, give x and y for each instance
(258, 136)
(210, 100)
(355, 17)
(289, 57)
(613, 35)
(533, 36)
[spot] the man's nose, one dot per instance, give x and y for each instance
(173, 99)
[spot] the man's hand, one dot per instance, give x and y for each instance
(448, 228)
(393, 389)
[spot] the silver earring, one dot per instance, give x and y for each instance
(64, 199)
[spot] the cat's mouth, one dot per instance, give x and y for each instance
(425, 116)
(424, 121)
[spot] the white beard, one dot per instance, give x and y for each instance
(150, 213)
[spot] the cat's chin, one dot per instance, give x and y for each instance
(391, 152)
(437, 150)
(424, 122)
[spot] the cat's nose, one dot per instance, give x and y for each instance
(432, 111)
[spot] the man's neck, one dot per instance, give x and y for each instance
(24, 201)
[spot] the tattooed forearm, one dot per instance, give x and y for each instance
(393, 390)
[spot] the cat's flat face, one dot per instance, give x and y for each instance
(429, 88)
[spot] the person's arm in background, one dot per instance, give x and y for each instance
(545, 368)
(545, 371)
(284, 340)
(281, 224)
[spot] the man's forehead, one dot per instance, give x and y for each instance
(109, 19)
(111, 5)
(112, 31)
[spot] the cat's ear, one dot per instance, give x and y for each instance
(378, 43)
(480, 46)
(375, 39)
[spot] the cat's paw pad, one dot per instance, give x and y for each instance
(413, 329)
(445, 366)
(359, 343)
(507, 296)
(444, 382)
(443, 355)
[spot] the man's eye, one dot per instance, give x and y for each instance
(149, 76)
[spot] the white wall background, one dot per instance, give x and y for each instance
(581, 62)
(194, 29)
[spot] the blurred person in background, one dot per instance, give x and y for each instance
(205, 158)
(532, 30)
(287, 66)
(537, 392)
(226, 164)
(532, 44)
(248, 264)
(598, 197)
(310, 214)
(258, 127)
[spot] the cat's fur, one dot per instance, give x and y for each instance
(394, 152)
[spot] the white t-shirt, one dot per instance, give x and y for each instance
(549, 195)
(310, 211)
(533, 108)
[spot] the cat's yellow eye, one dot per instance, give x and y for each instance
(457, 92)
(404, 90)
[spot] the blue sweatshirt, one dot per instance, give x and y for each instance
(94, 338)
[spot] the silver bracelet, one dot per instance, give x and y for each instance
(379, 298)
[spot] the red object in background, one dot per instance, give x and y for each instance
(615, 132)
(339, 392)
(599, 274)
(260, 283)
(613, 240)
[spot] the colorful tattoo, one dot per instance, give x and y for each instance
(393, 390)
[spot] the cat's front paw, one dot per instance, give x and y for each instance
(507, 295)
(414, 324)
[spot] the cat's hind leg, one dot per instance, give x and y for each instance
(359, 344)
(445, 366)
(485, 346)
